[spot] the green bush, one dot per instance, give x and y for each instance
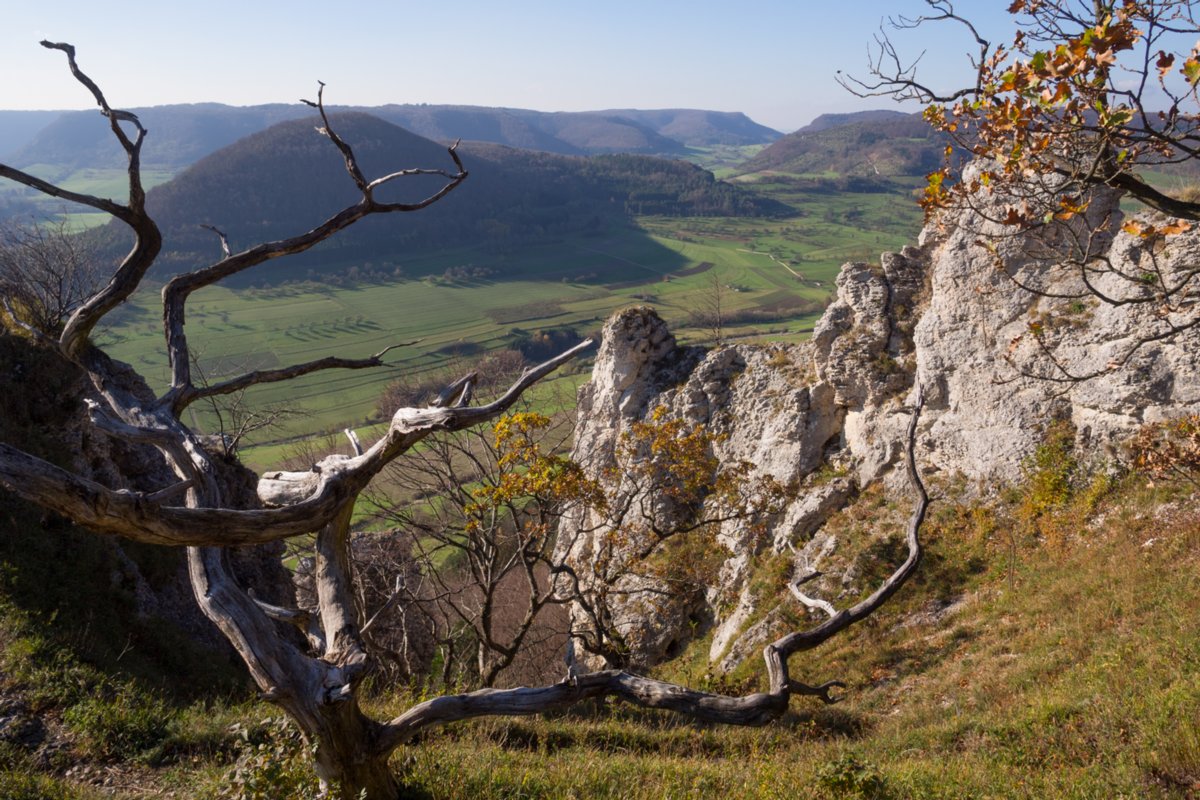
(272, 763)
(848, 777)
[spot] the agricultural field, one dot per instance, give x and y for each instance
(770, 277)
(723, 160)
(111, 183)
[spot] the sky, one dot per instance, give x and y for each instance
(774, 60)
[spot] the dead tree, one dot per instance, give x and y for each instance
(317, 687)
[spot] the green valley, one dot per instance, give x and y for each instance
(773, 276)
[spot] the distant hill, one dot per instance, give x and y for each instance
(17, 128)
(872, 144)
(179, 135)
(697, 128)
(566, 132)
(182, 134)
(509, 126)
(287, 179)
(827, 121)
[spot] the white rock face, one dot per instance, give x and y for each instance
(757, 407)
(949, 313)
(977, 357)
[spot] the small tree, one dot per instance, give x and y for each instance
(45, 273)
(712, 312)
(316, 685)
(494, 514)
(478, 523)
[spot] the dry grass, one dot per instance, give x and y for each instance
(1052, 660)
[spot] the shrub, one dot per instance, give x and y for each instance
(1165, 449)
(272, 763)
(846, 776)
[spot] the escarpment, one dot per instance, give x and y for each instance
(828, 416)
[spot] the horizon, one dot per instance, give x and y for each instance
(774, 62)
(335, 107)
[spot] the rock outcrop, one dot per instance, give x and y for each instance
(949, 313)
(992, 386)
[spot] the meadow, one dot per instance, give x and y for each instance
(111, 183)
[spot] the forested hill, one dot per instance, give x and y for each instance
(287, 179)
(182, 134)
(569, 133)
(826, 121)
(18, 127)
(697, 128)
(884, 144)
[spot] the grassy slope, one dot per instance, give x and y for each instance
(1075, 674)
(1068, 666)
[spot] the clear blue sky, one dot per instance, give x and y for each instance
(773, 59)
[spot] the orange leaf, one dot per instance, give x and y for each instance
(1013, 217)
(1139, 229)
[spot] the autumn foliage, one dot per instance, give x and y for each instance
(1088, 98)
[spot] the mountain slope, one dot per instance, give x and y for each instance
(511, 126)
(288, 179)
(826, 121)
(178, 135)
(18, 127)
(886, 146)
(697, 128)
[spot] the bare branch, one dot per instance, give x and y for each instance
(302, 620)
(811, 602)
(45, 187)
(179, 400)
(225, 251)
(120, 430)
(892, 77)
(124, 514)
(806, 640)
(355, 444)
(753, 710)
(347, 153)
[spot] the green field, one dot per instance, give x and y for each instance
(110, 183)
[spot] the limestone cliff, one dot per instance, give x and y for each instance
(828, 416)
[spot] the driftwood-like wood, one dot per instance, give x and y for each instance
(317, 684)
